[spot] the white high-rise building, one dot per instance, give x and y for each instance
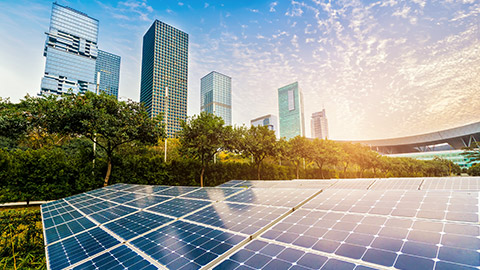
(319, 125)
(216, 96)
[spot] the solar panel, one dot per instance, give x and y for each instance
(260, 254)
(183, 245)
(247, 219)
(386, 241)
(276, 197)
(176, 191)
(231, 183)
(352, 184)
(178, 207)
(213, 194)
(76, 248)
(397, 183)
(451, 183)
(135, 224)
(149, 227)
(121, 257)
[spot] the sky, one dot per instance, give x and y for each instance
(380, 69)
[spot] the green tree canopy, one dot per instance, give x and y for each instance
(202, 137)
(104, 120)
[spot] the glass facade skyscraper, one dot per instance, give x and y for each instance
(108, 65)
(319, 125)
(269, 121)
(164, 66)
(290, 108)
(70, 51)
(216, 96)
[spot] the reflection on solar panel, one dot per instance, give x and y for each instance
(353, 184)
(368, 224)
(242, 218)
(276, 197)
(214, 194)
(231, 183)
(397, 183)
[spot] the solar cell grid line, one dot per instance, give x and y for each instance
(121, 257)
(452, 183)
(69, 251)
(135, 224)
(146, 189)
(286, 197)
(396, 183)
(263, 254)
(185, 245)
(231, 183)
(242, 218)
(113, 195)
(64, 230)
(176, 191)
(386, 241)
(113, 213)
(178, 207)
(96, 206)
(212, 193)
(147, 201)
(362, 184)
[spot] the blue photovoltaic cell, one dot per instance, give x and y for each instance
(121, 257)
(231, 183)
(100, 192)
(440, 205)
(176, 191)
(79, 247)
(379, 240)
(59, 213)
(213, 194)
(119, 186)
(276, 197)
(136, 224)
(113, 194)
(148, 201)
(97, 206)
(182, 245)
(242, 218)
(178, 207)
(127, 197)
(146, 189)
(66, 229)
(263, 255)
(112, 213)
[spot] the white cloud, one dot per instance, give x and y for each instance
(272, 6)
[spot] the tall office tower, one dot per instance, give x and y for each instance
(108, 65)
(164, 71)
(216, 95)
(71, 50)
(290, 108)
(319, 125)
(268, 120)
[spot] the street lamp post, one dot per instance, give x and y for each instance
(166, 122)
(97, 89)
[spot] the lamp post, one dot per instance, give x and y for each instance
(166, 122)
(97, 89)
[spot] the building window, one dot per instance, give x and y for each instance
(291, 100)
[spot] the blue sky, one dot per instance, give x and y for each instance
(380, 69)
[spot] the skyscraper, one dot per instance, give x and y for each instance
(319, 125)
(164, 71)
(108, 65)
(216, 96)
(268, 120)
(290, 108)
(71, 50)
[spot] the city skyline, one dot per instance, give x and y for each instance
(382, 69)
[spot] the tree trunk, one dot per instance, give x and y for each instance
(345, 171)
(201, 176)
(297, 167)
(258, 171)
(109, 171)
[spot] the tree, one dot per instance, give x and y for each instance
(257, 142)
(297, 150)
(105, 121)
(346, 155)
(324, 152)
(202, 137)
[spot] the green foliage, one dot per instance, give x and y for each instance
(257, 142)
(21, 240)
(202, 137)
(474, 170)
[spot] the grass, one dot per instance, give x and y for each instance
(21, 239)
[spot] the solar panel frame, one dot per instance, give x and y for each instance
(212, 193)
(284, 197)
(178, 207)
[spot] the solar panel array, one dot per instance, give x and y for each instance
(413, 223)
